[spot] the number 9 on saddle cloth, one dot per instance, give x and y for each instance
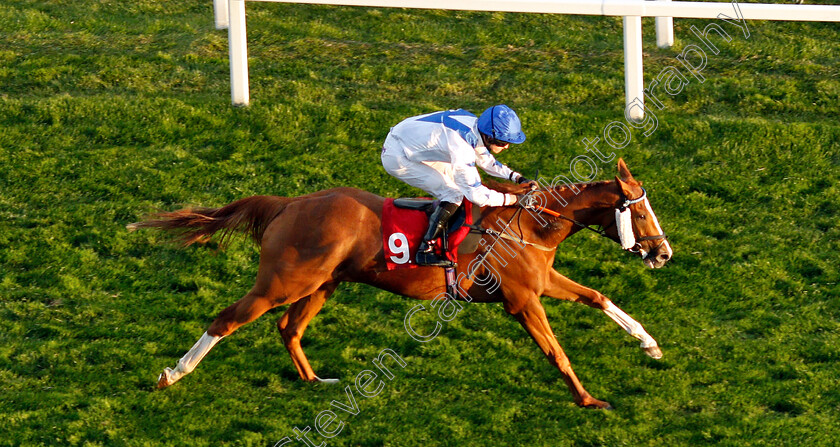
(405, 220)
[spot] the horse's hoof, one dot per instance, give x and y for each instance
(329, 381)
(598, 405)
(601, 406)
(654, 352)
(163, 379)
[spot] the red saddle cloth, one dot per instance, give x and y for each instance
(402, 233)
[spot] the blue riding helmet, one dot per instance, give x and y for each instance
(500, 122)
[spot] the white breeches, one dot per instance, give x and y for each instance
(434, 177)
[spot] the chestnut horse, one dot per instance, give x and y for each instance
(310, 244)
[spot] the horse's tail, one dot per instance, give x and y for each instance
(250, 215)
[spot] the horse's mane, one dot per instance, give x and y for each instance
(552, 225)
(512, 188)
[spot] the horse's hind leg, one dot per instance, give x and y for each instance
(247, 309)
(189, 361)
(532, 317)
(293, 323)
(268, 292)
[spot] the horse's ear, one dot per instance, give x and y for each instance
(623, 172)
(625, 180)
(626, 188)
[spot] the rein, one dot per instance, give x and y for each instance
(506, 236)
(601, 232)
(622, 221)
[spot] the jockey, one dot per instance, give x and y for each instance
(438, 153)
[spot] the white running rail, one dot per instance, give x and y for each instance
(230, 14)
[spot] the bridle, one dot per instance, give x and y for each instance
(503, 234)
(621, 210)
(637, 247)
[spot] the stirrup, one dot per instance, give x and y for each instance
(430, 259)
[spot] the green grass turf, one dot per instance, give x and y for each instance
(112, 110)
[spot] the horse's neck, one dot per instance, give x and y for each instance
(585, 203)
(589, 204)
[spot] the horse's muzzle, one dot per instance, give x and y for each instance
(659, 256)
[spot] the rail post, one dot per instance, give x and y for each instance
(664, 31)
(633, 70)
(238, 49)
(220, 12)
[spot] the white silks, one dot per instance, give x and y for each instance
(625, 228)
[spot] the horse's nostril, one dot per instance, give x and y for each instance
(664, 257)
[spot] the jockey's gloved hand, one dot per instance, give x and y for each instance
(531, 183)
(526, 201)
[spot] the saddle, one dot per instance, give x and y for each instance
(425, 205)
(405, 220)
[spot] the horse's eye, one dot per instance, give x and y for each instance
(642, 216)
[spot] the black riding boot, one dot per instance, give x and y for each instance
(437, 226)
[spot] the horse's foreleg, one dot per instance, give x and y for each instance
(532, 317)
(564, 288)
(293, 323)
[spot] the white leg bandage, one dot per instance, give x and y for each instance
(630, 325)
(190, 360)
